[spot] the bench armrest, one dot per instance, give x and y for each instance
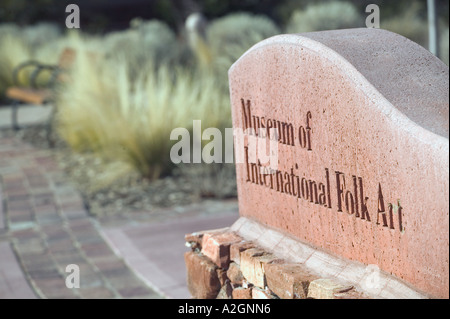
(17, 69)
(41, 67)
(38, 68)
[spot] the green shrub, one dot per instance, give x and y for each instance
(41, 34)
(105, 110)
(229, 37)
(13, 51)
(148, 42)
(325, 16)
(410, 24)
(211, 180)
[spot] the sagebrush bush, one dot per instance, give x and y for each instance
(41, 34)
(159, 41)
(230, 36)
(212, 180)
(124, 104)
(9, 28)
(148, 42)
(13, 51)
(130, 118)
(325, 16)
(410, 24)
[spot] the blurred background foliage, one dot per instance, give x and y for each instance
(144, 67)
(108, 15)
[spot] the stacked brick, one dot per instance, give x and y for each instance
(223, 265)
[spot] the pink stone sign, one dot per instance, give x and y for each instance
(361, 121)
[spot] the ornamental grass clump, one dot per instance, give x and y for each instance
(110, 108)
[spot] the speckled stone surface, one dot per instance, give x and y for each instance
(363, 153)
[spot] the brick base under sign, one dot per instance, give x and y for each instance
(246, 261)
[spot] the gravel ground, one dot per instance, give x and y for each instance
(111, 187)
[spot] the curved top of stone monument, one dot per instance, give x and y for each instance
(359, 168)
(413, 81)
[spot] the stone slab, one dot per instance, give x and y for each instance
(369, 281)
(362, 155)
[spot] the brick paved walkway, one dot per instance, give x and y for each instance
(155, 249)
(44, 226)
(13, 284)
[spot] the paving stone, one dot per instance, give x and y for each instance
(40, 262)
(44, 273)
(118, 275)
(110, 263)
(64, 258)
(21, 216)
(60, 245)
(130, 292)
(43, 199)
(123, 280)
(91, 280)
(55, 232)
(33, 248)
(74, 213)
(13, 284)
(50, 228)
(18, 205)
(96, 293)
(25, 234)
(19, 195)
(96, 249)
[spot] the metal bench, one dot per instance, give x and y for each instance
(34, 94)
